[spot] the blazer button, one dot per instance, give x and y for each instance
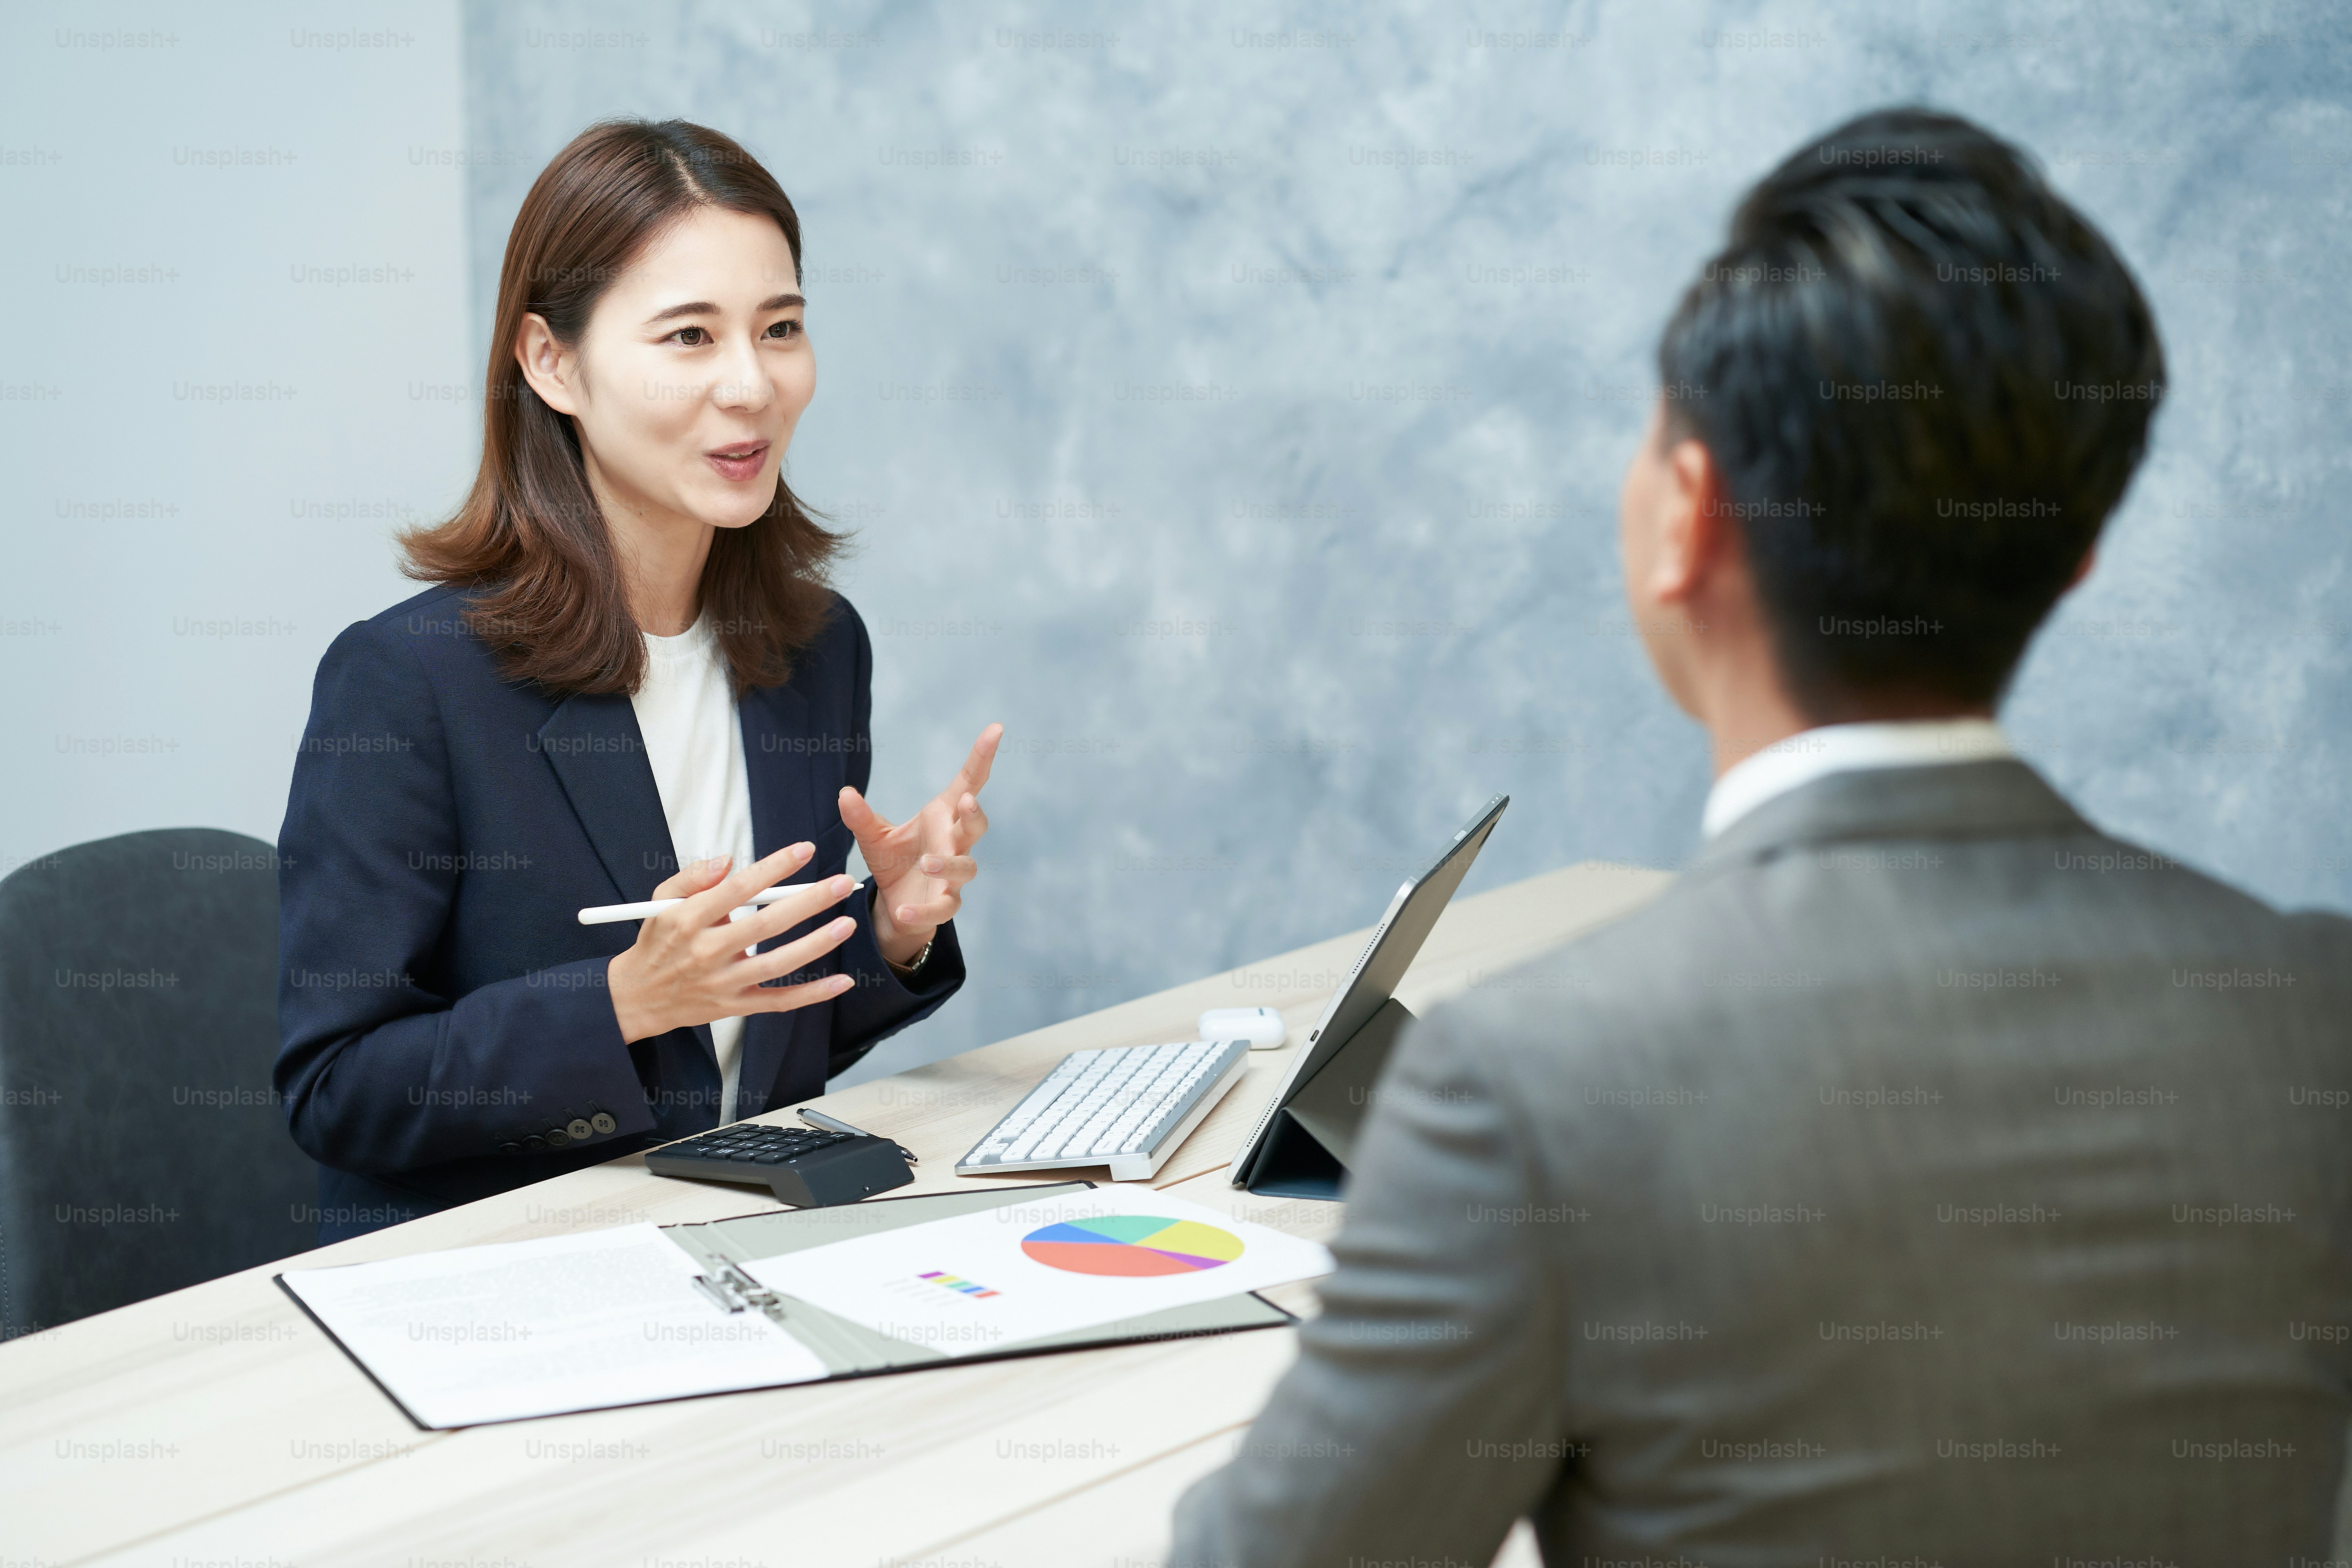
(578, 1128)
(509, 1148)
(603, 1122)
(534, 1142)
(557, 1137)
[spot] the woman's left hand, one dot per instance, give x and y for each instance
(920, 865)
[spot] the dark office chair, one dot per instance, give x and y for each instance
(141, 1147)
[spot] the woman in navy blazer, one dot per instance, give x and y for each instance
(473, 772)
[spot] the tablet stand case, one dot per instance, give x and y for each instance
(1307, 1150)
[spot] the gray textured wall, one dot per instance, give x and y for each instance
(1163, 399)
(1237, 415)
(233, 246)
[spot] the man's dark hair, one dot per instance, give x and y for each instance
(1924, 380)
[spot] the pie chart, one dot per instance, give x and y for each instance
(1132, 1245)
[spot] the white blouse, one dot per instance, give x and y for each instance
(694, 738)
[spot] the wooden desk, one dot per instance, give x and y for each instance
(217, 1425)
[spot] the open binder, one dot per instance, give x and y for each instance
(718, 1249)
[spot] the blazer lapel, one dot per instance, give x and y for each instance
(773, 716)
(782, 812)
(598, 753)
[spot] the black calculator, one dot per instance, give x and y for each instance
(808, 1167)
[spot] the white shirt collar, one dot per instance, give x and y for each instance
(1829, 749)
(696, 642)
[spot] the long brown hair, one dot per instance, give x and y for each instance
(529, 541)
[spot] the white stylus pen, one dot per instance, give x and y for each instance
(608, 914)
(835, 1125)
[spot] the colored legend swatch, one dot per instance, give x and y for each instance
(954, 1283)
(1132, 1245)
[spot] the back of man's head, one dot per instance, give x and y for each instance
(1924, 380)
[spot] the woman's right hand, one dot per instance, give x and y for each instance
(688, 965)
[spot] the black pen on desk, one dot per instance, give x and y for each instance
(835, 1125)
(610, 914)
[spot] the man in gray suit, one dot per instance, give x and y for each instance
(1926, 1178)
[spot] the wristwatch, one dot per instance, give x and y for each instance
(908, 971)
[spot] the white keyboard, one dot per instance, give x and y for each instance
(1128, 1108)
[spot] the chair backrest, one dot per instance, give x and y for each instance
(142, 1145)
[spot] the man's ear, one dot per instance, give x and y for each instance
(1692, 529)
(546, 364)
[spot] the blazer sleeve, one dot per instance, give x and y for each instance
(379, 1074)
(1424, 1413)
(880, 1003)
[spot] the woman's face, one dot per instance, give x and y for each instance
(691, 374)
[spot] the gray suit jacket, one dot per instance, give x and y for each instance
(1923, 1178)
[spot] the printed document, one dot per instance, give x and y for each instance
(986, 1280)
(539, 1328)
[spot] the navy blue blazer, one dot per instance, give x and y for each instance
(445, 1029)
